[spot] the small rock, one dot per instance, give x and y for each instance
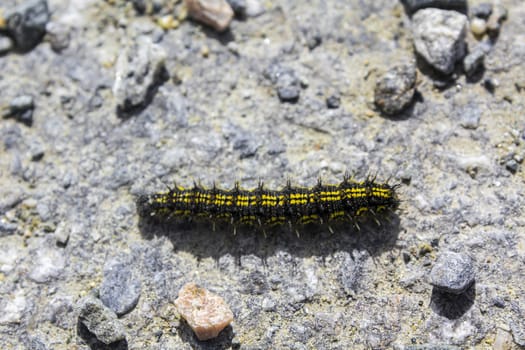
(58, 35)
(48, 264)
(414, 5)
(140, 69)
(216, 13)
(26, 24)
(333, 101)
(120, 289)
(286, 82)
(254, 8)
(453, 272)
(512, 166)
(206, 313)
(474, 60)
(478, 26)
(6, 44)
(439, 37)
(502, 341)
(100, 320)
(483, 10)
(62, 234)
(395, 90)
(21, 108)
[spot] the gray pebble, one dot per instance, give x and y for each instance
(483, 10)
(395, 90)
(473, 62)
(453, 272)
(414, 5)
(286, 82)
(6, 44)
(7, 228)
(512, 166)
(58, 35)
(100, 320)
(254, 8)
(120, 289)
(21, 103)
(351, 270)
(439, 37)
(26, 24)
(333, 102)
(140, 70)
(62, 234)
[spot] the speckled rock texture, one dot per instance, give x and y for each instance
(250, 104)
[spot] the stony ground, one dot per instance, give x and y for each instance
(114, 103)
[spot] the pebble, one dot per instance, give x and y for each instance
(21, 108)
(453, 272)
(414, 5)
(216, 13)
(395, 90)
(287, 83)
(140, 69)
(478, 26)
(518, 331)
(468, 115)
(6, 44)
(473, 62)
(7, 228)
(502, 341)
(512, 166)
(100, 320)
(48, 264)
(62, 234)
(120, 289)
(26, 24)
(238, 7)
(333, 101)
(254, 8)
(58, 35)
(439, 37)
(206, 313)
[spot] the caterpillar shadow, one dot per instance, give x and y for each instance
(201, 240)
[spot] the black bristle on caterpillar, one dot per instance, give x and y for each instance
(262, 207)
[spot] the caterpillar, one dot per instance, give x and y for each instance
(261, 207)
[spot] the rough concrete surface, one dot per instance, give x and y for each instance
(245, 105)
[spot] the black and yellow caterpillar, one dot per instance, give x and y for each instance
(262, 207)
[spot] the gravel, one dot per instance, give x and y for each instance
(439, 37)
(453, 272)
(414, 5)
(140, 70)
(6, 44)
(120, 289)
(26, 24)
(100, 321)
(395, 90)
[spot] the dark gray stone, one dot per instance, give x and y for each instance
(21, 108)
(100, 320)
(6, 44)
(512, 166)
(395, 90)
(120, 289)
(414, 5)
(453, 272)
(27, 23)
(333, 101)
(140, 70)
(286, 82)
(439, 37)
(483, 10)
